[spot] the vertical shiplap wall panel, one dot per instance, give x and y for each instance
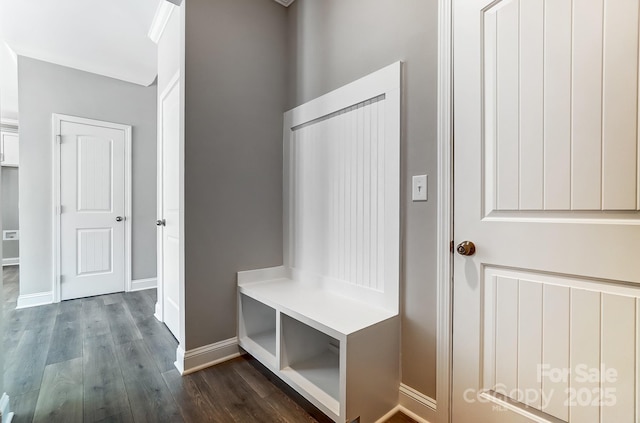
(529, 341)
(353, 168)
(555, 348)
(506, 335)
(586, 122)
(585, 351)
(557, 105)
(373, 254)
(618, 347)
(341, 124)
(339, 190)
(359, 221)
(531, 104)
(366, 194)
(507, 106)
(381, 193)
(620, 102)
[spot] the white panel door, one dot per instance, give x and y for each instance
(169, 257)
(546, 312)
(92, 198)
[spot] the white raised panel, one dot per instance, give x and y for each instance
(577, 344)
(620, 105)
(94, 251)
(560, 87)
(95, 158)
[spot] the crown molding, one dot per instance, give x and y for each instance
(163, 13)
(285, 3)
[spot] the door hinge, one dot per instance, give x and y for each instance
(59, 210)
(451, 246)
(61, 279)
(59, 137)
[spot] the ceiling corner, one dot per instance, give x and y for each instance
(163, 13)
(285, 3)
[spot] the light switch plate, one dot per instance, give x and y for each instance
(419, 190)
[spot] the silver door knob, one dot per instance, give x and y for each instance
(119, 219)
(466, 248)
(161, 222)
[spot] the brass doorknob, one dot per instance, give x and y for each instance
(466, 248)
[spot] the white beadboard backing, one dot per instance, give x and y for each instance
(561, 106)
(342, 189)
(543, 333)
(339, 195)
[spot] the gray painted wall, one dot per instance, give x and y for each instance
(235, 64)
(46, 88)
(333, 42)
(10, 209)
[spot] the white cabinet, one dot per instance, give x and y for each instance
(9, 150)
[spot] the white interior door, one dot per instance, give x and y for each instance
(169, 257)
(547, 311)
(92, 199)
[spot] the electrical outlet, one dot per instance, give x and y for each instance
(419, 188)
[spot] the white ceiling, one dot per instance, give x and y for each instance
(104, 37)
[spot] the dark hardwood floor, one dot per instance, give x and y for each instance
(107, 359)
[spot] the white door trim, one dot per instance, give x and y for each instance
(159, 313)
(56, 123)
(444, 271)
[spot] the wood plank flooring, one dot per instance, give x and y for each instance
(107, 359)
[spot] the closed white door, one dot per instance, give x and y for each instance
(169, 208)
(92, 199)
(547, 310)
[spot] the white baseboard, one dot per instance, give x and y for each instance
(417, 405)
(206, 356)
(5, 410)
(142, 284)
(33, 300)
(14, 261)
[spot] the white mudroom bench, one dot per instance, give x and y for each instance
(326, 322)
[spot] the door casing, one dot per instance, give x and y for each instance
(57, 119)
